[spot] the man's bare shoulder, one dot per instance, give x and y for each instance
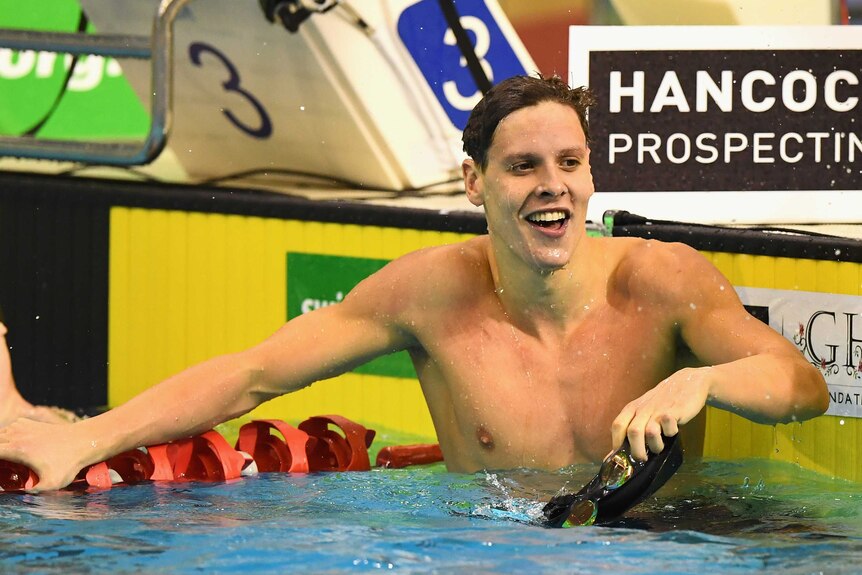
(440, 274)
(666, 273)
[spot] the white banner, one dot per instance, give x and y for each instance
(826, 328)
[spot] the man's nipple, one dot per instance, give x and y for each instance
(485, 438)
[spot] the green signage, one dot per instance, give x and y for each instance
(43, 95)
(315, 281)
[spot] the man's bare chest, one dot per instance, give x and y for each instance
(489, 382)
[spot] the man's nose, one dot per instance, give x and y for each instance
(552, 185)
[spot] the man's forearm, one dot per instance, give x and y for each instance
(769, 388)
(186, 404)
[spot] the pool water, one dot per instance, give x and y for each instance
(712, 517)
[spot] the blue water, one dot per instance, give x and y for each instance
(713, 517)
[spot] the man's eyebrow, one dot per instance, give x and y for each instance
(516, 157)
(533, 157)
(573, 151)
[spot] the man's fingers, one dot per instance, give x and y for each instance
(652, 433)
(620, 426)
(669, 425)
(636, 434)
(644, 426)
(645, 433)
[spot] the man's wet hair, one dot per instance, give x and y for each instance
(511, 95)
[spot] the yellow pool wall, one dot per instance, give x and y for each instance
(828, 444)
(186, 286)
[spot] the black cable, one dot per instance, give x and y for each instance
(347, 184)
(624, 218)
(78, 170)
(342, 184)
(83, 22)
(464, 45)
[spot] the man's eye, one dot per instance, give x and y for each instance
(570, 163)
(521, 167)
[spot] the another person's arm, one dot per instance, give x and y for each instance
(749, 368)
(315, 346)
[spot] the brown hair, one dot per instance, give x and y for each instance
(511, 95)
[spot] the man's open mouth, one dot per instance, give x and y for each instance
(551, 220)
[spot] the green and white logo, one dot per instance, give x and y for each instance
(58, 96)
(315, 281)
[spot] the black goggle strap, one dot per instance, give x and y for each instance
(615, 471)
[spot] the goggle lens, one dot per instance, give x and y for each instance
(583, 512)
(616, 470)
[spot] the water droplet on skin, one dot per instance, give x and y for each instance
(692, 306)
(721, 288)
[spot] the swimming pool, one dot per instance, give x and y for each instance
(713, 517)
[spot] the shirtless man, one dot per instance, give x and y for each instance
(535, 345)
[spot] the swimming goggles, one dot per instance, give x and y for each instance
(621, 483)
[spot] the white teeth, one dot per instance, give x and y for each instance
(547, 216)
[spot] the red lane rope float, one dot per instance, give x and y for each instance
(130, 467)
(16, 477)
(334, 452)
(313, 446)
(271, 453)
(398, 456)
(205, 457)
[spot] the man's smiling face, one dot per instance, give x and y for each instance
(536, 186)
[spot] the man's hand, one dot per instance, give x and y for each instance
(673, 402)
(43, 447)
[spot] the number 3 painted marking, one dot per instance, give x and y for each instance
(232, 84)
(483, 43)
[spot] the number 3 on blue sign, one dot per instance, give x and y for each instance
(481, 45)
(429, 40)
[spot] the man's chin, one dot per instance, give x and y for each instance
(549, 266)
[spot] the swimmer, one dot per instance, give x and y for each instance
(12, 404)
(536, 345)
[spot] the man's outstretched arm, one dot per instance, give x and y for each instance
(748, 368)
(315, 346)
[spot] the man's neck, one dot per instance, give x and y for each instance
(534, 299)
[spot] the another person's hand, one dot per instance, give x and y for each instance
(672, 403)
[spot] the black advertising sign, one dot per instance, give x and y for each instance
(724, 123)
(725, 120)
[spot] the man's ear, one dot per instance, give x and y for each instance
(472, 182)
